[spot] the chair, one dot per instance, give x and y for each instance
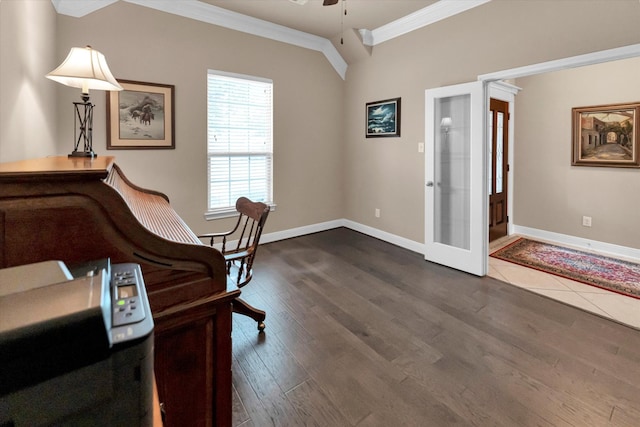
(239, 247)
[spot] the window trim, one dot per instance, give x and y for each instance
(229, 211)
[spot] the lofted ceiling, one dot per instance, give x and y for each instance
(325, 21)
(305, 23)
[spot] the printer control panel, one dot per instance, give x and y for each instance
(130, 312)
(125, 299)
(125, 284)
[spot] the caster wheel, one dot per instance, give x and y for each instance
(261, 326)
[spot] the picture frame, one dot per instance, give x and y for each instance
(383, 118)
(141, 116)
(606, 135)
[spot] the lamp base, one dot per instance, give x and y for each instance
(83, 118)
(90, 154)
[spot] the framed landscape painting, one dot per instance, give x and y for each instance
(140, 116)
(606, 135)
(383, 118)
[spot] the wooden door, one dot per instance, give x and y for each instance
(498, 185)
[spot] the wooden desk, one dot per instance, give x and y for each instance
(157, 415)
(78, 210)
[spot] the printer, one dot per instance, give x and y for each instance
(76, 345)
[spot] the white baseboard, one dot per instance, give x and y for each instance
(387, 237)
(603, 248)
(301, 231)
(364, 229)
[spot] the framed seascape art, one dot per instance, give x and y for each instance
(141, 116)
(383, 118)
(606, 135)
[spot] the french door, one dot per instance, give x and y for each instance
(456, 203)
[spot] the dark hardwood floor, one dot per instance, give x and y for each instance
(363, 333)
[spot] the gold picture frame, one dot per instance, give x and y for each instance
(606, 135)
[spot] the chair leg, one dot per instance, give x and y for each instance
(242, 307)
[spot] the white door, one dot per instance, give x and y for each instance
(456, 224)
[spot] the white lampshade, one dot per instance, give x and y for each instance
(85, 68)
(446, 122)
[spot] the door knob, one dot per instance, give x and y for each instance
(429, 183)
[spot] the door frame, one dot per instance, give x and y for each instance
(497, 82)
(608, 55)
(505, 92)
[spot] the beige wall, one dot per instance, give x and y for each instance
(27, 100)
(552, 195)
(325, 169)
(388, 173)
(147, 45)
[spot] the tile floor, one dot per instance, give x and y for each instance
(620, 308)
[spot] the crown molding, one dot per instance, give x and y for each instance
(436, 12)
(79, 8)
(211, 14)
(204, 12)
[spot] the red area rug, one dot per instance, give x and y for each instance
(612, 274)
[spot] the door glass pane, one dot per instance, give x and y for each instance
(490, 157)
(452, 171)
(499, 152)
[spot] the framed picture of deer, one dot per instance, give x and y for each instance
(606, 135)
(141, 116)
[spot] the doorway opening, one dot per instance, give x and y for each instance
(476, 259)
(498, 146)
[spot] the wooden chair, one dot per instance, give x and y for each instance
(239, 247)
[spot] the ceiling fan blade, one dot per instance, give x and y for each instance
(329, 2)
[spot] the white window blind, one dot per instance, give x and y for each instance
(239, 139)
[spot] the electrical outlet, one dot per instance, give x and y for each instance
(586, 221)
(377, 213)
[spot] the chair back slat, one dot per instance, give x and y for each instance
(239, 248)
(246, 235)
(245, 240)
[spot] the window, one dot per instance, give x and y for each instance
(239, 140)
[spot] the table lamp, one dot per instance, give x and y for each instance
(85, 68)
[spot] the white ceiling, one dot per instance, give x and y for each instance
(325, 21)
(307, 24)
